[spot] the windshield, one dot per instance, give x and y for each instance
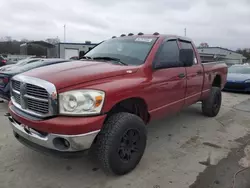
(26, 61)
(131, 51)
(35, 64)
(239, 70)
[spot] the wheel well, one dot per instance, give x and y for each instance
(217, 81)
(135, 106)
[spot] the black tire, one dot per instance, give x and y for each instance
(121, 143)
(211, 106)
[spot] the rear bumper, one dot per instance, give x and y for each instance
(69, 143)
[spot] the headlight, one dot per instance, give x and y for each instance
(81, 102)
(247, 81)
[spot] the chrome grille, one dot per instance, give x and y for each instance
(16, 85)
(36, 91)
(34, 96)
(17, 98)
(38, 106)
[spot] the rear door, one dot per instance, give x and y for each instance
(194, 76)
(169, 82)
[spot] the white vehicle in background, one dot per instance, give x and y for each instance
(19, 63)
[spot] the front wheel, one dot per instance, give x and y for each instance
(211, 106)
(121, 143)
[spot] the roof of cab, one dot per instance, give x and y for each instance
(157, 36)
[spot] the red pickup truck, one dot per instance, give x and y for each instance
(106, 99)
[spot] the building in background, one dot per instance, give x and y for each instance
(69, 50)
(209, 54)
(60, 50)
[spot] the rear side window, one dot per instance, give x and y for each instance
(188, 45)
(168, 55)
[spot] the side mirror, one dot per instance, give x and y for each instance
(187, 57)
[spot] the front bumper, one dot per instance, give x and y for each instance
(237, 86)
(58, 142)
(61, 134)
(63, 125)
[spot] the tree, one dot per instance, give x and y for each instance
(7, 39)
(204, 45)
(245, 52)
(53, 40)
(24, 40)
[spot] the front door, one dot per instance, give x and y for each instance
(168, 80)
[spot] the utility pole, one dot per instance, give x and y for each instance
(64, 27)
(185, 31)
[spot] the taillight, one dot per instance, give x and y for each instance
(5, 80)
(4, 61)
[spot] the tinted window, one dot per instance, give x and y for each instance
(168, 55)
(130, 50)
(188, 45)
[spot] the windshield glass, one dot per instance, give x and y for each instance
(132, 50)
(26, 61)
(239, 70)
(35, 64)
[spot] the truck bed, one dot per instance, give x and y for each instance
(211, 70)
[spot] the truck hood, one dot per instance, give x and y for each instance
(237, 77)
(7, 68)
(72, 73)
(12, 69)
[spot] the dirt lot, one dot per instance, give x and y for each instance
(184, 150)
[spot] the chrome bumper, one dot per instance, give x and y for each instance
(64, 143)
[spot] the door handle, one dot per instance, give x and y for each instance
(199, 72)
(181, 75)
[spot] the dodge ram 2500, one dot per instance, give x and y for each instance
(106, 99)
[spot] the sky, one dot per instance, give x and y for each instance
(224, 23)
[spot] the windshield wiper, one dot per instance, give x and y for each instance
(110, 59)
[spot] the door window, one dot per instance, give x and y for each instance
(188, 45)
(168, 55)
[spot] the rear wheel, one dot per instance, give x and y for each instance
(121, 143)
(211, 106)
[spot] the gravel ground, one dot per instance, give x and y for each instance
(182, 150)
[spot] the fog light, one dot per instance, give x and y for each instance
(61, 143)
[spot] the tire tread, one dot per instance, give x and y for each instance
(207, 105)
(105, 138)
